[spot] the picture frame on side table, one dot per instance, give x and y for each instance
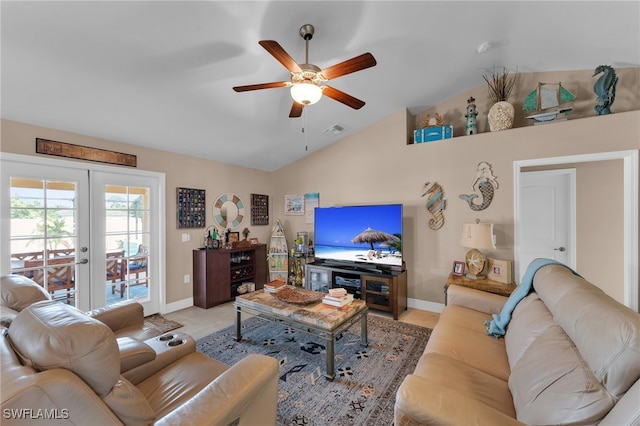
(234, 237)
(500, 270)
(458, 268)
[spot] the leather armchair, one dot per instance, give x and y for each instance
(61, 360)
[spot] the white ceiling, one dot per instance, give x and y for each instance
(159, 73)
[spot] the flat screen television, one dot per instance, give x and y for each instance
(368, 236)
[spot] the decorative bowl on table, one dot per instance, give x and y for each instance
(298, 296)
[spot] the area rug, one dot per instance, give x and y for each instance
(160, 323)
(367, 378)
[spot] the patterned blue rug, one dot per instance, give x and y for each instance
(367, 378)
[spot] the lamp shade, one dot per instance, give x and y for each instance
(306, 93)
(477, 235)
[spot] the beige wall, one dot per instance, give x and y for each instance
(378, 166)
(181, 171)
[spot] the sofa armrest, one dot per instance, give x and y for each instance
(245, 394)
(120, 315)
(421, 401)
(134, 353)
(475, 299)
(627, 410)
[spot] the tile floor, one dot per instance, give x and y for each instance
(199, 322)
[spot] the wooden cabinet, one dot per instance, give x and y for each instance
(218, 273)
(384, 292)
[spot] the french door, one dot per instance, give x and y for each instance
(90, 235)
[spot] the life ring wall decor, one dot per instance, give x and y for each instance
(435, 204)
(228, 211)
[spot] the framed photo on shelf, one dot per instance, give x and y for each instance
(234, 237)
(500, 270)
(458, 268)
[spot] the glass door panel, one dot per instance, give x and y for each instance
(127, 237)
(44, 233)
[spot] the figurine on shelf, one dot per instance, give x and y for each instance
(605, 89)
(472, 127)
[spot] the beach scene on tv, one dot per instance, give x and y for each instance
(371, 234)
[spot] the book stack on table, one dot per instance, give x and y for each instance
(337, 297)
(274, 286)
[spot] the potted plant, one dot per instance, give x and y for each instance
(500, 82)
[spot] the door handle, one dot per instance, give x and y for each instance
(82, 261)
(560, 249)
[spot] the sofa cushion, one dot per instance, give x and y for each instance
(50, 334)
(18, 292)
(461, 335)
(466, 380)
(550, 382)
(583, 310)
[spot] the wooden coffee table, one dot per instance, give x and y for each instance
(317, 319)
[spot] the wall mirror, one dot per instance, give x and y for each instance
(228, 211)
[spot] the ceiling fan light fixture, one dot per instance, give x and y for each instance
(306, 93)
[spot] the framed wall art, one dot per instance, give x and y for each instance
(190, 208)
(259, 209)
(500, 270)
(294, 205)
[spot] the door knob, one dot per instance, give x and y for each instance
(560, 249)
(83, 261)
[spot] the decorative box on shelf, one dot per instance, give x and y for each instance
(430, 134)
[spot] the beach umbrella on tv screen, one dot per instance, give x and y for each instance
(373, 236)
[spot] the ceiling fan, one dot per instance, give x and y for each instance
(307, 80)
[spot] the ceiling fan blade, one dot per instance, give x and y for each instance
(340, 96)
(261, 86)
(296, 110)
(280, 54)
(366, 60)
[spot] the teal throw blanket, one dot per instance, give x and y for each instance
(498, 325)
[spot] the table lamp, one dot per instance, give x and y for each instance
(476, 236)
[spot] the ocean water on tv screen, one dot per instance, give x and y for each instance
(370, 234)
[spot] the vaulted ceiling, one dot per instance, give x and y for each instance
(160, 73)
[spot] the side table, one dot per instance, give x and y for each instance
(485, 284)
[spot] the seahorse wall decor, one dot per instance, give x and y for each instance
(435, 204)
(605, 89)
(487, 184)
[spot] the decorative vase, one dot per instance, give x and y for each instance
(501, 116)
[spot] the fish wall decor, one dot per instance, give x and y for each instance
(487, 184)
(435, 204)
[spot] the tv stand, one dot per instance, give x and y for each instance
(382, 290)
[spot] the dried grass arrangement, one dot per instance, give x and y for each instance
(501, 83)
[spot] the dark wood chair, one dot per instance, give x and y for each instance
(115, 271)
(134, 266)
(59, 275)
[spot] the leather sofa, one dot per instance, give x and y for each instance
(570, 355)
(60, 364)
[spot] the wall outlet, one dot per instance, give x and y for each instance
(187, 278)
(186, 237)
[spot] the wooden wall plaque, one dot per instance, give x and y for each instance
(79, 152)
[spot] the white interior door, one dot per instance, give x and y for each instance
(546, 218)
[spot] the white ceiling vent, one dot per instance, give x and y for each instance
(336, 129)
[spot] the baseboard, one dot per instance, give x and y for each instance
(425, 305)
(176, 306)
